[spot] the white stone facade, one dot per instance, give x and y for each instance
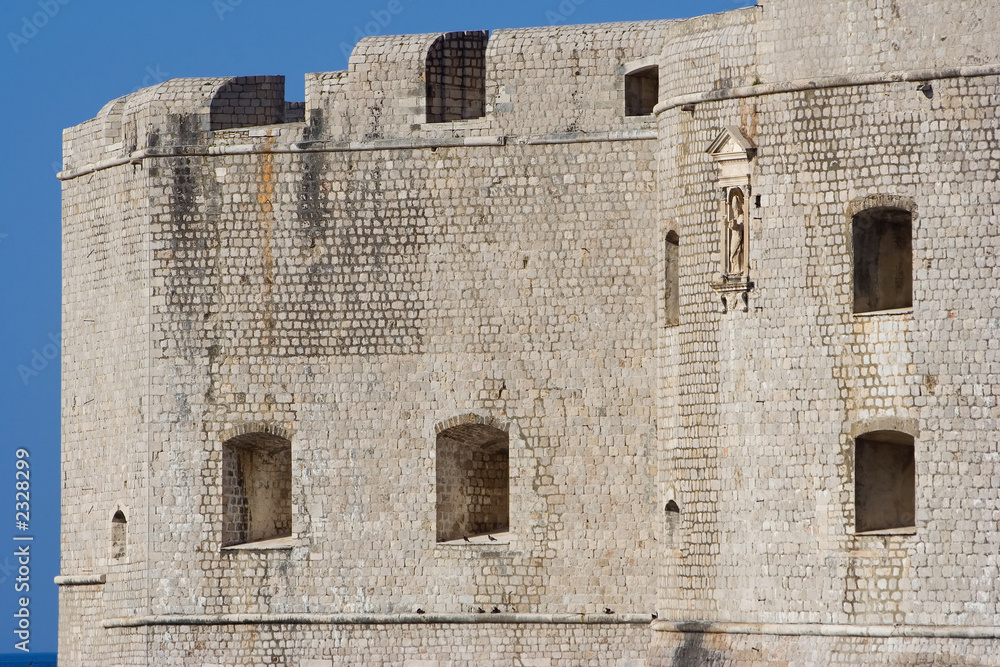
(279, 318)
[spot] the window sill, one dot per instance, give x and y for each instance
(499, 539)
(905, 530)
(891, 311)
(456, 124)
(273, 544)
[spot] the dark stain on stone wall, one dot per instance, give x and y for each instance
(693, 653)
(361, 257)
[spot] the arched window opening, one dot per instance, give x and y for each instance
(256, 488)
(119, 536)
(672, 529)
(642, 91)
(884, 482)
(671, 280)
(473, 482)
(455, 76)
(882, 239)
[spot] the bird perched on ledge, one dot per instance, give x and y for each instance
(607, 610)
(495, 610)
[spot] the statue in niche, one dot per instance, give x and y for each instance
(736, 229)
(733, 154)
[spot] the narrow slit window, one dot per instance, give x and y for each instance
(672, 514)
(671, 280)
(119, 536)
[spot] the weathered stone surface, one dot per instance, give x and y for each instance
(555, 283)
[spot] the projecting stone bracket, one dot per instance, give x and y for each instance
(80, 579)
(734, 292)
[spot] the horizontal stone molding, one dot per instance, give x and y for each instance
(376, 619)
(589, 137)
(842, 81)
(80, 579)
(139, 156)
(830, 629)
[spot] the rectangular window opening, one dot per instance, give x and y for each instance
(473, 483)
(256, 488)
(882, 239)
(884, 482)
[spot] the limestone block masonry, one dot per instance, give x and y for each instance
(471, 358)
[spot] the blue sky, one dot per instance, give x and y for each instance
(60, 62)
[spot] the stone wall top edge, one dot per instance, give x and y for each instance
(389, 47)
(240, 142)
(398, 52)
(172, 96)
(553, 30)
(875, 78)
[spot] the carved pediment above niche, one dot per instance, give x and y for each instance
(732, 151)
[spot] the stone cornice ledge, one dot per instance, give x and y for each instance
(374, 619)
(80, 579)
(320, 146)
(831, 629)
(866, 79)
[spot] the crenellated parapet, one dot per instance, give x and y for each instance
(530, 82)
(522, 83)
(178, 112)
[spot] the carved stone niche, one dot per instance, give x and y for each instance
(733, 154)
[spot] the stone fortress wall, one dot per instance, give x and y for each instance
(611, 265)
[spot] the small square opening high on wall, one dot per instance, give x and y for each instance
(642, 91)
(882, 238)
(473, 481)
(256, 488)
(884, 482)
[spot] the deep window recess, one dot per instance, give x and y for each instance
(473, 482)
(673, 521)
(884, 481)
(671, 280)
(642, 91)
(119, 535)
(256, 488)
(882, 239)
(455, 76)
